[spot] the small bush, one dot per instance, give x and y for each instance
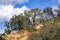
(1, 38)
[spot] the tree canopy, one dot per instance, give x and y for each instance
(30, 18)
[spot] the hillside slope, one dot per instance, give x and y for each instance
(46, 31)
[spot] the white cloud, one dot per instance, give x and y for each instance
(6, 12)
(55, 7)
(7, 9)
(56, 0)
(7, 2)
(59, 1)
(1, 31)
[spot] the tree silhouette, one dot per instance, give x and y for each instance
(49, 11)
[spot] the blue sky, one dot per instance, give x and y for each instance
(10, 8)
(39, 4)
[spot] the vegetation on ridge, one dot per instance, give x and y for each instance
(28, 19)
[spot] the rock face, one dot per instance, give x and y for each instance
(17, 36)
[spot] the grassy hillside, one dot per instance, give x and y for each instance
(49, 30)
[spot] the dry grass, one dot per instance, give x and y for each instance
(15, 36)
(23, 35)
